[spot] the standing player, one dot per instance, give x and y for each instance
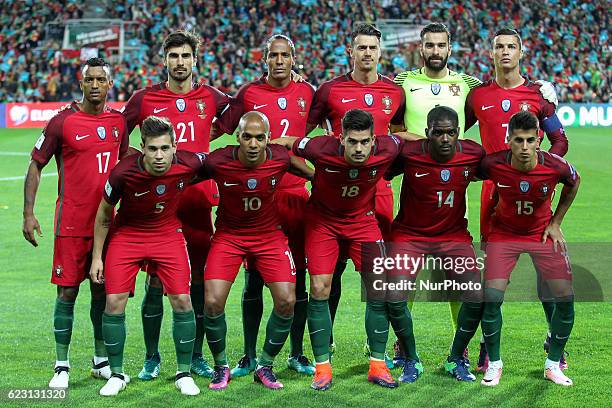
(248, 227)
(523, 222)
(340, 212)
(493, 103)
(286, 104)
(431, 221)
(362, 88)
(146, 229)
(191, 108)
(87, 139)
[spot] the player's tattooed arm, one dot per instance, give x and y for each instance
(301, 169)
(215, 131)
(553, 230)
(104, 217)
(30, 223)
(286, 141)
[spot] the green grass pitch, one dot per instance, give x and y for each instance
(26, 336)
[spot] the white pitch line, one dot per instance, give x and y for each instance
(23, 177)
(14, 153)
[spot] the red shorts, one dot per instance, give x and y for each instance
(488, 201)
(503, 251)
(384, 207)
(324, 239)
(196, 204)
(71, 260)
(291, 205)
(124, 259)
(269, 251)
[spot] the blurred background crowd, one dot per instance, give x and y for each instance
(565, 41)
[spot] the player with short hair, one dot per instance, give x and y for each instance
(248, 227)
(286, 104)
(492, 104)
(340, 215)
(87, 139)
(523, 222)
(146, 228)
(191, 108)
(431, 221)
(362, 88)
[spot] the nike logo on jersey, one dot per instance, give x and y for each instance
(347, 100)
(255, 107)
(417, 174)
(226, 184)
(502, 186)
(414, 89)
(486, 107)
(141, 194)
(81, 137)
(157, 110)
(327, 169)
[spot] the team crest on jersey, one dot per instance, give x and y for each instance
(201, 105)
(466, 173)
(505, 104)
(282, 102)
(58, 270)
(436, 88)
(180, 185)
(101, 132)
(373, 172)
(387, 102)
(445, 175)
(353, 173)
(273, 182)
(181, 105)
(251, 183)
(544, 189)
(302, 105)
(524, 106)
(115, 132)
(524, 186)
(369, 99)
(160, 189)
(454, 89)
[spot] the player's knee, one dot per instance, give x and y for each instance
(180, 303)
(320, 289)
(115, 303)
(67, 293)
(284, 307)
(213, 306)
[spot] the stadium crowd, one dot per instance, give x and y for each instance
(565, 41)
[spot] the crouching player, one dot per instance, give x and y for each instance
(248, 226)
(525, 178)
(431, 222)
(146, 229)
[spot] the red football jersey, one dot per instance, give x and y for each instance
(432, 201)
(340, 190)
(524, 206)
(247, 203)
(493, 107)
(191, 113)
(286, 108)
(86, 148)
(149, 203)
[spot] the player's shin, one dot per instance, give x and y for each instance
(96, 311)
(252, 311)
(197, 301)
(319, 326)
(468, 320)
(336, 292)
(300, 311)
(183, 333)
(152, 312)
(561, 326)
(377, 328)
(492, 322)
(113, 329)
(216, 332)
(277, 331)
(63, 316)
(401, 321)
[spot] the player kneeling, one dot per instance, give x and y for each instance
(146, 228)
(248, 226)
(525, 178)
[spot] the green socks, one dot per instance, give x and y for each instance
(561, 326)
(252, 311)
(377, 328)
(63, 316)
(152, 312)
(455, 307)
(197, 301)
(183, 333)
(492, 322)
(401, 320)
(277, 331)
(96, 311)
(300, 312)
(468, 320)
(216, 332)
(319, 326)
(113, 328)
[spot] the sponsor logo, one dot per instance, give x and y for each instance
(347, 100)
(524, 186)
(141, 194)
(19, 114)
(115, 132)
(157, 110)
(316, 331)
(484, 108)
(181, 105)
(436, 88)
(379, 331)
(226, 184)
(282, 103)
(445, 175)
(101, 132)
(201, 106)
(327, 169)
(81, 137)
(273, 182)
(502, 185)
(274, 343)
(160, 189)
(369, 99)
(418, 175)
(110, 344)
(414, 89)
(544, 189)
(58, 270)
(373, 172)
(180, 185)
(187, 341)
(251, 183)
(255, 107)
(505, 104)
(154, 315)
